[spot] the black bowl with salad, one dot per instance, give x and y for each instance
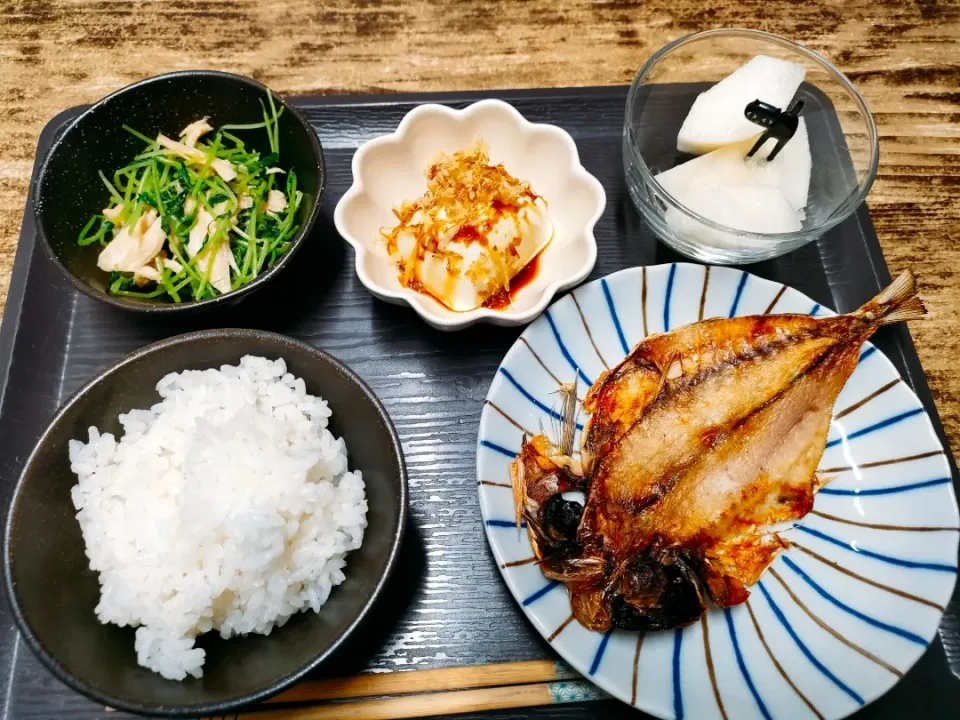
(183, 190)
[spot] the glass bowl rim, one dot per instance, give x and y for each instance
(840, 213)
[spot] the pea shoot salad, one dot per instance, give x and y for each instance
(191, 219)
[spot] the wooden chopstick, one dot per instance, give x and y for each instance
(422, 693)
(438, 703)
(420, 681)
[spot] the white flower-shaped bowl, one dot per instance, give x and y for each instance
(390, 170)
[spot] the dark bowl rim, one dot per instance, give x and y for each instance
(222, 706)
(159, 307)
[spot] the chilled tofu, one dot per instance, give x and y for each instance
(470, 270)
(470, 234)
(716, 118)
(789, 170)
(131, 249)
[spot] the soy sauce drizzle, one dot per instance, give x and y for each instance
(502, 299)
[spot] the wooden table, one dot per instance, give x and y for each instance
(904, 57)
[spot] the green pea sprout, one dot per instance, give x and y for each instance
(197, 217)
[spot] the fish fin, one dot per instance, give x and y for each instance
(518, 482)
(568, 423)
(821, 481)
(897, 302)
(665, 372)
(574, 570)
(912, 309)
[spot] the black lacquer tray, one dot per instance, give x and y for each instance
(447, 603)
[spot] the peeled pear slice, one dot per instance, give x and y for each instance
(752, 208)
(789, 170)
(716, 118)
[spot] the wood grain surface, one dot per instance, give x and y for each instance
(904, 57)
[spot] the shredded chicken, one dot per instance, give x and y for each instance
(220, 270)
(146, 274)
(198, 233)
(222, 167)
(192, 132)
(276, 201)
(222, 257)
(113, 213)
(130, 249)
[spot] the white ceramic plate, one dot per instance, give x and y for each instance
(837, 619)
(389, 170)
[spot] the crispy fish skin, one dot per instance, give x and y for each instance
(685, 420)
(699, 443)
(621, 395)
(761, 473)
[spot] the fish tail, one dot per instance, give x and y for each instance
(898, 302)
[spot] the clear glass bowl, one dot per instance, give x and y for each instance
(843, 142)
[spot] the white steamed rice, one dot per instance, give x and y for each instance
(227, 506)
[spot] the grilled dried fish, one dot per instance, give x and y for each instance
(698, 445)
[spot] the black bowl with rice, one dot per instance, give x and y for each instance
(229, 506)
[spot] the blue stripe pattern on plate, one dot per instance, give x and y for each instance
(530, 600)
(743, 665)
(876, 426)
(736, 298)
(499, 448)
(505, 523)
(886, 490)
(906, 634)
(853, 547)
(526, 393)
(668, 297)
(613, 316)
(677, 691)
(804, 649)
(598, 655)
(563, 349)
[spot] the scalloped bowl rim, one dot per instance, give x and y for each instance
(444, 319)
